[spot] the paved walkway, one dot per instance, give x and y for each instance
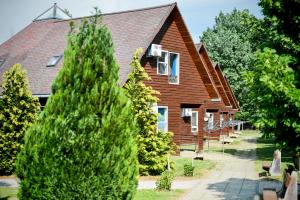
(8, 182)
(234, 177)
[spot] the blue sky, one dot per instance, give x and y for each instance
(198, 14)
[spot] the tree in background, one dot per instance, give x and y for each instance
(154, 146)
(275, 81)
(232, 43)
(273, 89)
(83, 145)
(18, 110)
(282, 21)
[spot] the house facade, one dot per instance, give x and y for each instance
(221, 111)
(181, 75)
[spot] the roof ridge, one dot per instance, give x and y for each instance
(121, 12)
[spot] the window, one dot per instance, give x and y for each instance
(194, 121)
(210, 123)
(168, 64)
(174, 68)
(221, 120)
(53, 61)
(162, 63)
(2, 60)
(162, 118)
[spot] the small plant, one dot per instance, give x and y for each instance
(188, 169)
(165, 181)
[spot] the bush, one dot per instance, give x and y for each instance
(188, 169)
(154, 147)
(83, 145)
(165, 181)
(18, 110)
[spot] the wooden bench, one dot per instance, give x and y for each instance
(233, 135)
(269, 195)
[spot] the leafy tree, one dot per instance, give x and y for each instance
(18, 110)
(83, 145)
(154, 146)
(232, 43)
(284, 15)
(275, 80)
(278, 100)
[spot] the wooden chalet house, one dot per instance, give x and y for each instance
(219, 112)
(170, 57)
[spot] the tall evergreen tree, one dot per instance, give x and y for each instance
(18, 110)
(154, 146)
(83, 145)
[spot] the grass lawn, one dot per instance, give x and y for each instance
(158, 195)
(217, 146)
(264, 153)
(8, 193)
(201, 166)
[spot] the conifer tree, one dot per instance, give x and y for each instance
(18, 110)
(83, 145)
(154, 146)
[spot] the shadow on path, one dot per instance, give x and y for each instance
(234, 188)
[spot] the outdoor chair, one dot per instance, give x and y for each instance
(273, 169)
(289, 190)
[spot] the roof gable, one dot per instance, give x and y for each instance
(214, 75)
(195, 55)
(227, 88)
(42, 39)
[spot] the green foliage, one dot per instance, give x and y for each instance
(274, 91)
(154, 146)
(165, 181)
(275, 80)
(232, 43)
(83, 144)
(18, 110)
(188, 169)
(284, 19)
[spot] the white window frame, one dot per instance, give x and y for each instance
(169, 66)
(197, 118)
(53, 60)
(166, 117)
(166, 62)
(222, 119)
(210, 122)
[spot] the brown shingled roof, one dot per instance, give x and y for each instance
(35, 44)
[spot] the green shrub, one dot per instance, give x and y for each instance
(18, 110)
(83, 145)
(154, 147)
(188, 169)
(165, 181)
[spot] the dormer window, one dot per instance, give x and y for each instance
(2, 60)
(174, 68)
(168, 64)
(53, 61)
(162, 63)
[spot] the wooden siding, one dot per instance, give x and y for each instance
(190, 92)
